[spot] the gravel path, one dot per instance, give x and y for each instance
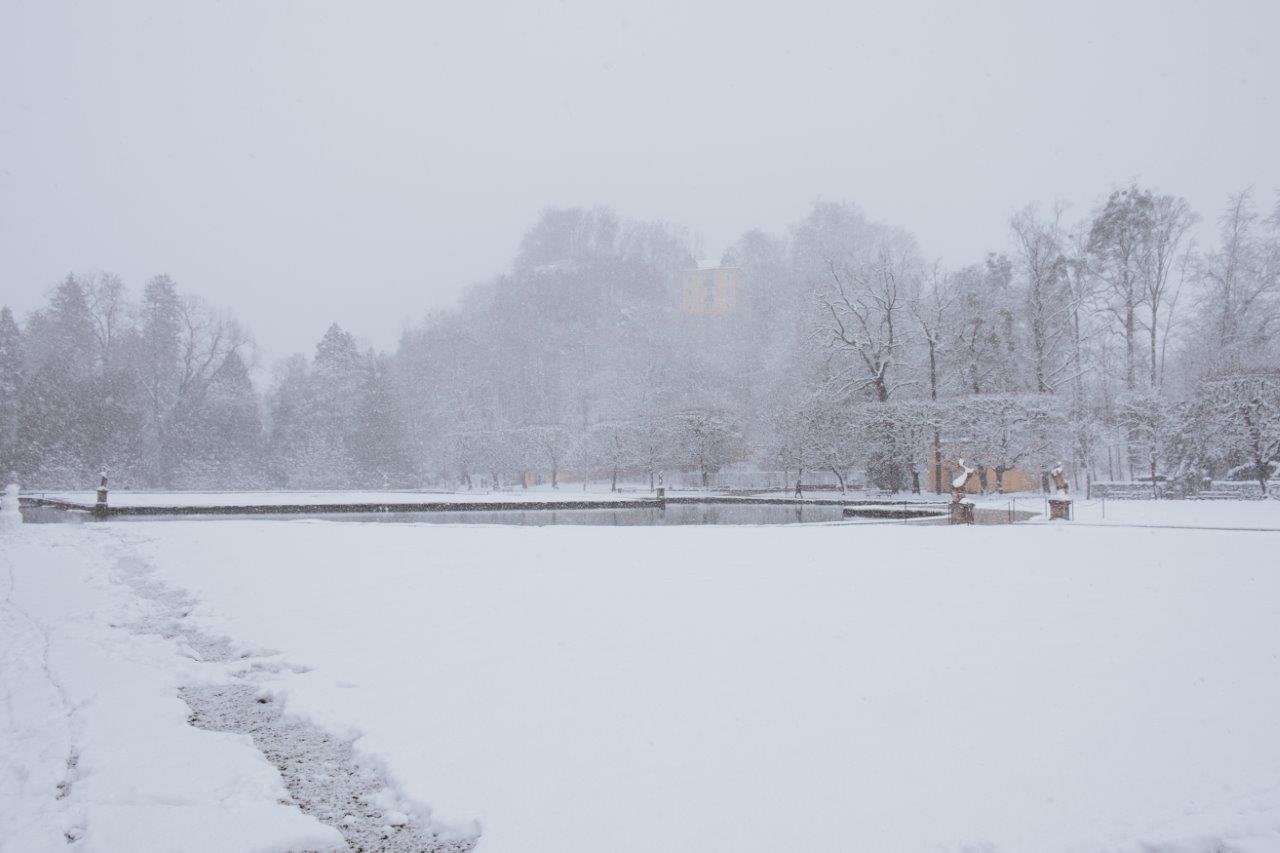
(323, 773)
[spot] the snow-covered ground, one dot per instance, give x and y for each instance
(829, 688)
(94, 742)
(1230, 514)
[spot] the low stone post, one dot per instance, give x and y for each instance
(961, 510)
(100, 506)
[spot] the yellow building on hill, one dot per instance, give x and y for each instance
(710, 292)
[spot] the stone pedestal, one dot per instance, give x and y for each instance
(1059, 508)
(100, 506)
(961, 512)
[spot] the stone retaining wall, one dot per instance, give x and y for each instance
(1217, 490)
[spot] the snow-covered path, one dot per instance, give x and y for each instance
(1027, 688)
(36, 717)
(95, 747)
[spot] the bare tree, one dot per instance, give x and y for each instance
(1168, 221)
(1117, 240)
(1239, 288)
(108, 305)
(932, 312)
(986, 348)
(1081, 283)
(864, 277)
(1048, 296)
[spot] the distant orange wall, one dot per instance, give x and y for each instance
(1014, 481)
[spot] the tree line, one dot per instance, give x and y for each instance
(1110, 343)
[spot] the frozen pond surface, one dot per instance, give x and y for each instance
(673, 514)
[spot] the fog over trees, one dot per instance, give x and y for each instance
(1104, 339)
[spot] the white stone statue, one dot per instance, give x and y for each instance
(1059, 480)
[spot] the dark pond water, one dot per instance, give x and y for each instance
(673, 514)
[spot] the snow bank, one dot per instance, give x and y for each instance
(1026, 688)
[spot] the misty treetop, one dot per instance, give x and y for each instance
(1110, 342)
(154, 388)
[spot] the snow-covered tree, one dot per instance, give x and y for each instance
(609, 446)
(1117, 242)
(584, 339)
(1005, 431)
(1245, 417)
(986, 350)
(864, 277)
(1238, 291)
(378, 438)
(705, 441)
(655, 444)
(1149, 419)
(545, 447)
(1048, 302)
(10, 392)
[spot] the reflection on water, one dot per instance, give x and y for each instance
(673, 514)
(51, 515)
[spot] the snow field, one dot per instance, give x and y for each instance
(1024, 688)
(1227, 514)
(96, 747)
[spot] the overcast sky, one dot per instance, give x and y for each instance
(363, 161)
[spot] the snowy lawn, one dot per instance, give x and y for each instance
(94, 742)
(1230, 514)
(1234, 514)
(1026, 688)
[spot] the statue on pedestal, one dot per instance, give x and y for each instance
(960, 481)
(961, 510)
(1060, 506)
